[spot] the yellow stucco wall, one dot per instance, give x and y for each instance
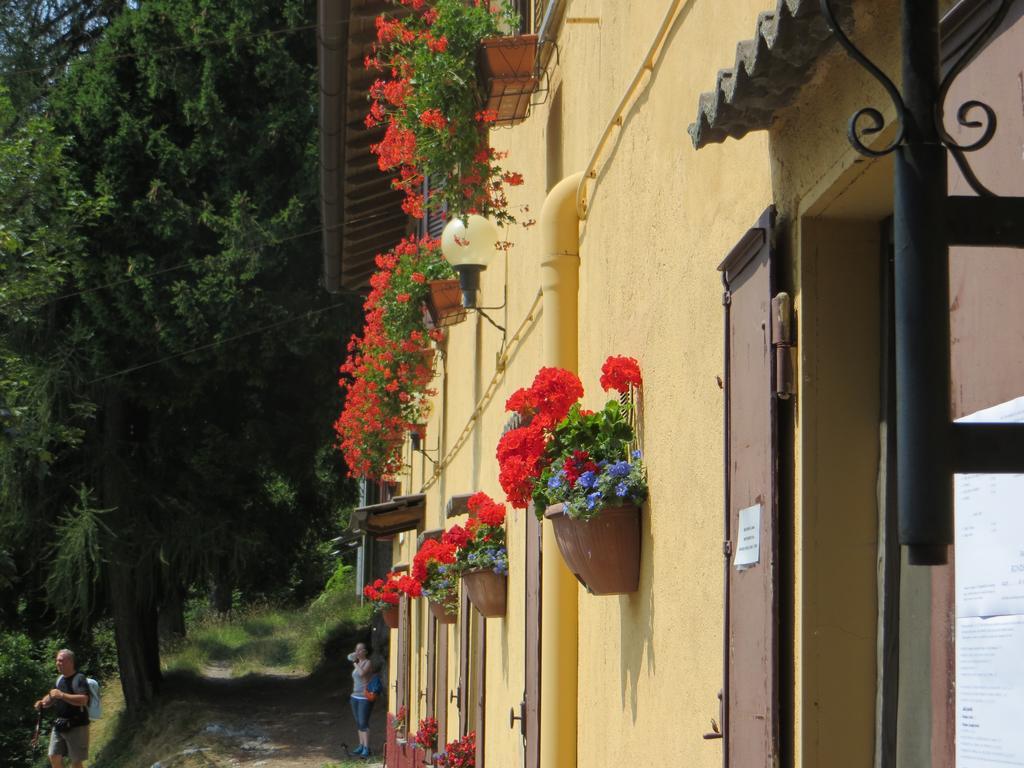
(661, 218)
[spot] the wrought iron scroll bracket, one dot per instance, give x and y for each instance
(875, 121)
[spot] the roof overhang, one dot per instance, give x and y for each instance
(401, 514)
(360, 212)
(769, 71)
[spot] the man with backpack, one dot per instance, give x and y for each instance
(70, 697)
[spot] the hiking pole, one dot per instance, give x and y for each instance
(39, 724)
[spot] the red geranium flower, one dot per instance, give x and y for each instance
(619, 373)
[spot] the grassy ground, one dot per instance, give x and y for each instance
(264, 638)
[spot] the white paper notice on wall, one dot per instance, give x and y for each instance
(989, 510)
(990, 533)
(989, 685)
(748, 544)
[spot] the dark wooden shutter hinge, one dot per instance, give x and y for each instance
(727, 548)
(726, 298)
(784, 345)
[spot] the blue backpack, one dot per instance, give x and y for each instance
(375, 686)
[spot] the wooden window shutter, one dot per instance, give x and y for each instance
(529, 710)
(433, 222)
(751, 690)
(431, 691)
(402, 675)
(480, 683)
(463, 694)
(472, 673)
(442, 698)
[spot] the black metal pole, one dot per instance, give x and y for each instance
(925, 478)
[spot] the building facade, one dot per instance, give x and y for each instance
(699, 207)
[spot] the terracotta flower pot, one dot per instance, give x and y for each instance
(508, 75)
(604, 552)
(441, 614)
(390, 616)
(444, 303)
(486, 590)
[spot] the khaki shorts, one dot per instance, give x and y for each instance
(73, 744)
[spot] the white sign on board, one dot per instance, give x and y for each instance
(748, 548)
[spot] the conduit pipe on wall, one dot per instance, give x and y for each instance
(559, 680)
(641, 80)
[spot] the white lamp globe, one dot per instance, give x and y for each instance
(468, 245)
(469, 241)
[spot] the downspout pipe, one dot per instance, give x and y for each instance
(559, 681)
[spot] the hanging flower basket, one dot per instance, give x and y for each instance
(390, 617)
(508, 76)
(441, 614)
(486, 590)
(444, 303)
(604, 551)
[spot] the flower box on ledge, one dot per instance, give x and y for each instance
(508, 76)
(444, 303)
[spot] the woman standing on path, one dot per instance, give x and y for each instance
(361, 706)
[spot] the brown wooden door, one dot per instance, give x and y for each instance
(751, 696)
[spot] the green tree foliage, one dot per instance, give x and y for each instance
(203, 345)
(39, 37)
(45, 217)
(25, 675)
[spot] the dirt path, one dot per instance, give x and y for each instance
(273, 720)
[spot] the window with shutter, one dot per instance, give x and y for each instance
(751, 690)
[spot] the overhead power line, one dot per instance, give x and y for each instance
(164, 270)
(310, 314)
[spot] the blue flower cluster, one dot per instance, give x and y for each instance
(614, 482)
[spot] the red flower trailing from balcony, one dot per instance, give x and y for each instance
(387, 375)
(620, 373)
(428, 96)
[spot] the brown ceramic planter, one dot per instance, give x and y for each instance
(508, 75)
(486, 590)
(444, 303)
(440, 613)
(390, 616)
(603, 552)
